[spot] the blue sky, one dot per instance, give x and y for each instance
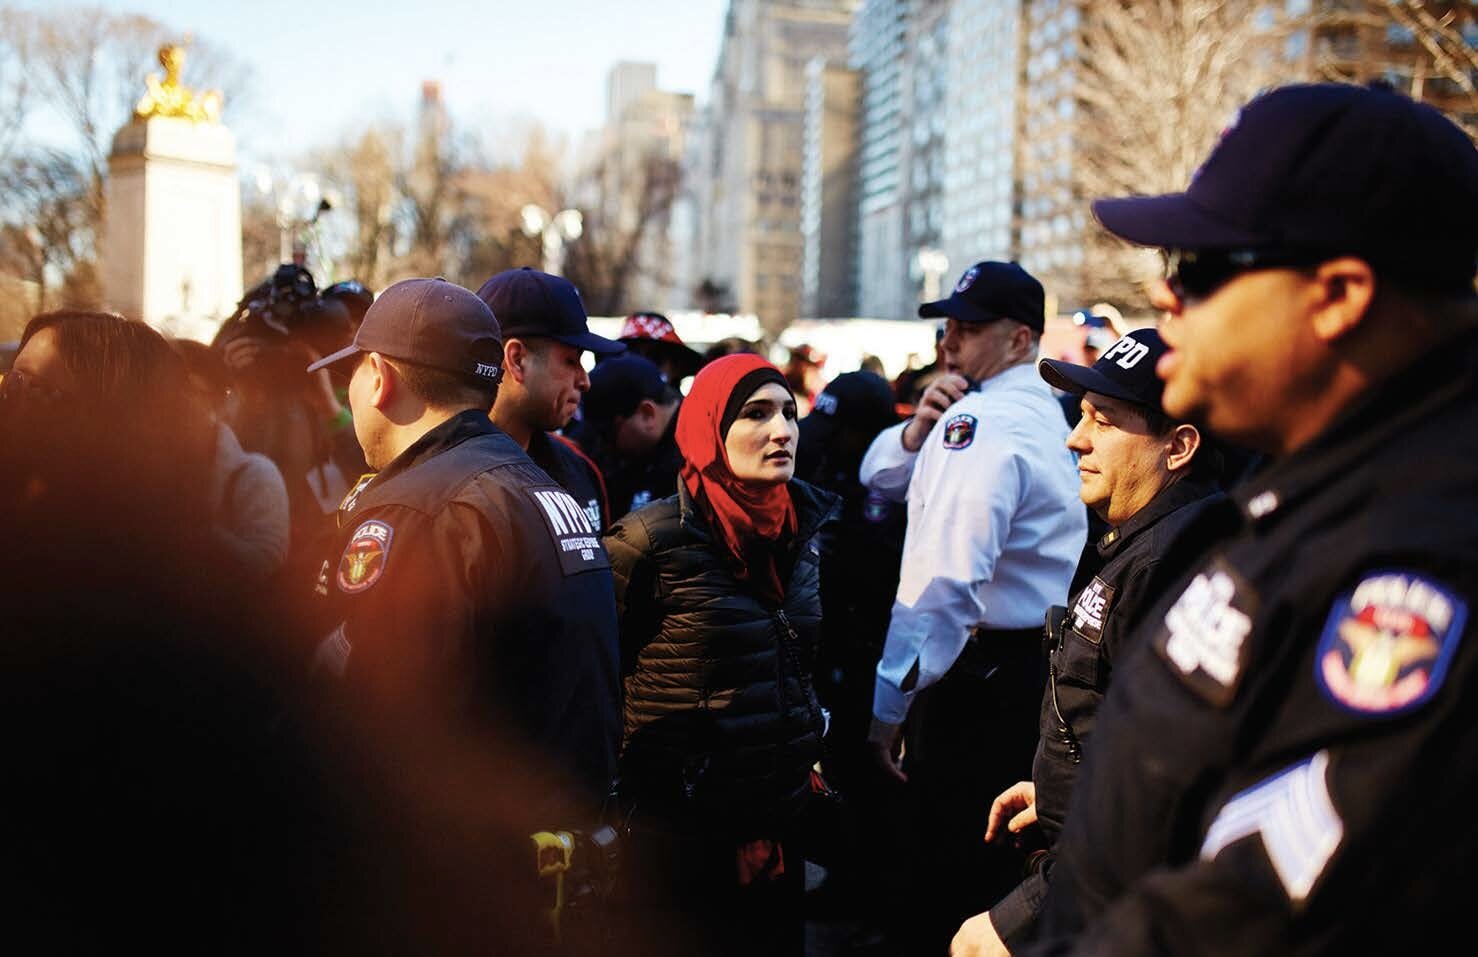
(326, 67)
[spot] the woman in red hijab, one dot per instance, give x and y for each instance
(718, 591)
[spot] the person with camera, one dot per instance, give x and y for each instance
(294, 419)
(1147, 477)
(545, 331)
(464, 580)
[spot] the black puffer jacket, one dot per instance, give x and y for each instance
(722, 722)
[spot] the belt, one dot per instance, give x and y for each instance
(989, 650)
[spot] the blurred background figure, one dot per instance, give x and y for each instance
(803, 372)
(727, 347)
(296, 420)
(860, 557)
(248, 499)
(353, 296)
(629, 428)
(911, 383)
(652, 335)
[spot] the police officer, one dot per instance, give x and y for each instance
(1147, 477)
(545, 330)
(465, 579)
(1287, 761)
(629, 428)
(995, 529)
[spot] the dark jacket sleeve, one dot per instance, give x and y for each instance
(632, 568)
(1015, 916)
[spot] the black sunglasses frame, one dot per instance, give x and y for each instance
(1195, 274)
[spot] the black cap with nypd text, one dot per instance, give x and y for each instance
(1329, 168)
(993, 290)
(1126, 371)
(529, 303)
(429, 322)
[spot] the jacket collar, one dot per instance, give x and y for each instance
(468, 424)
(1171, 498)
(1397, 405)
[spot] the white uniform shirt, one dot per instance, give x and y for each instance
(995, 526)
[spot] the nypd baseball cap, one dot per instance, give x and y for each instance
(859, 400)
(429, 322)
(1327, 168)
(1126, 371)
(989, 291)
(529, 303)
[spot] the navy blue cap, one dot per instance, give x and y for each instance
(993, 290)
(529, 303)
(1329, 168)
(429, 322)
(618, 384)
(1126, 370)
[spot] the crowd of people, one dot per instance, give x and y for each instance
(384, 624)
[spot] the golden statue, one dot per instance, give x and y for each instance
(169, 97)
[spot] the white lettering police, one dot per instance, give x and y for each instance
(565, 514)
(1206, 632)
(487, 371)
(1407, 594)
(1126, 353)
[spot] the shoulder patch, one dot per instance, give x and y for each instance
(1091, 609)
(1387, 643)
(1204, 636)
(575, 536)
(959, 431)
(1295, 816)
(363, 561)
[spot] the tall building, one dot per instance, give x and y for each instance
(828, 191)
(984, 54)
(878, 38)
(628, 183)
(749, 169)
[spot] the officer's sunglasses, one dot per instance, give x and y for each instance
(1194, 274)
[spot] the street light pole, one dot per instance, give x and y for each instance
(555, 230)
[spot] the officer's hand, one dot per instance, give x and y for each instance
(886, 745)
(942, 393)
(1019, 802)
(977, 937)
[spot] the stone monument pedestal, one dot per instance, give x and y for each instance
(172, 240)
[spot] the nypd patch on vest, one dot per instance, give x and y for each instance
(364, 558)
(1204, 637)
(1388, 642)
(1092, 608)
(575, 536)
(959, 431)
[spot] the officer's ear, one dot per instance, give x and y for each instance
(382, 384)
(1183, 442)
(516, 356)
(1343, 292)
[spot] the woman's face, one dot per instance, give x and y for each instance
(761, 442)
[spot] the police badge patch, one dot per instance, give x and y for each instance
(363, 561)
(959, 431)
(1388, 642)
(1092, 608)
(1205, 636)
(968, 279)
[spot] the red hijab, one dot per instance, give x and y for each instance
(749, 518)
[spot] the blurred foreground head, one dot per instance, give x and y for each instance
(104, 457)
